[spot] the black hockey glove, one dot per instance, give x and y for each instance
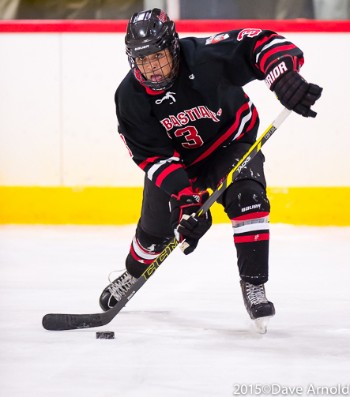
(291, 89)
(185, 226)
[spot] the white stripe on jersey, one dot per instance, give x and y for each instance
(159, 164)
(244, 121)
(273, 42)
(140, 251)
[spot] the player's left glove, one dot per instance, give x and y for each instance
(187, 227)
(294, 92)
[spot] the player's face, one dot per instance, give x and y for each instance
(156, 67)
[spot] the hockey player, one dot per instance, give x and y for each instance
(185, 118)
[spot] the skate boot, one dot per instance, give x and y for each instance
(258, 307)
(116, 290)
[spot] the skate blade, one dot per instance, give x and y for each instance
(261, 324)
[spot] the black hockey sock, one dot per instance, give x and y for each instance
(144, 249)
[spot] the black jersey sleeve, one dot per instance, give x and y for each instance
(270, 47)
(148, 144)
(245, 55)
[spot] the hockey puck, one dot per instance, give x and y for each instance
(105, 335)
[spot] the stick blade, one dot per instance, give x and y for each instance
(62, 322)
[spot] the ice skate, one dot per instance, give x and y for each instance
(116, 290)
(258, 307)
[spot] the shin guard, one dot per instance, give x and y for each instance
(248, 207)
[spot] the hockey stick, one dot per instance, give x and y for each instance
(60, 322)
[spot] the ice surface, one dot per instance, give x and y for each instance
(186, 332)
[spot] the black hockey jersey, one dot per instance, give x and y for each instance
(171, 133)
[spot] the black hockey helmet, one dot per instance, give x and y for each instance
(149, 32)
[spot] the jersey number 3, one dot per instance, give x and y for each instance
(190, 133)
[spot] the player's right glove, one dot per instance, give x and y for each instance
(294, 92)
(187, 227)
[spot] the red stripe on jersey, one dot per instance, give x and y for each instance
(148, 161)
(168, 170)
(252, 215)
(263, 41)
(225, 136)
(273, 51)
(252, 238)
